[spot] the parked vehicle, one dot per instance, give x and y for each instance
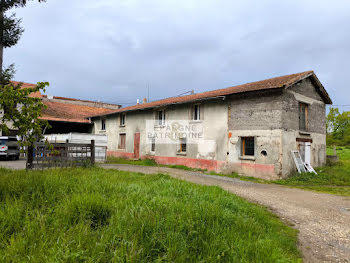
(9, 147)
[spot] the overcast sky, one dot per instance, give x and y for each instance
(113, 50)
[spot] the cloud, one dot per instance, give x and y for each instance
(115, 50)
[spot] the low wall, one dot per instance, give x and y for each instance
(210, 165)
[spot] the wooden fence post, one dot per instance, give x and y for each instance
(30, 157)
(92, 152)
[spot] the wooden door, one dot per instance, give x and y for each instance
(137, 145)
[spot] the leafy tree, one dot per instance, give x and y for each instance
(18, 108)
(338, 127)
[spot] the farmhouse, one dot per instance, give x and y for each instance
(250, 129)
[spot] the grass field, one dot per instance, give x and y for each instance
(148, 162)
(96, 215)
(330, 179)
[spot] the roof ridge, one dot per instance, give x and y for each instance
(283, 80)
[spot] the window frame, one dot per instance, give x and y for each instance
(161, 121)
(153, 145)
(198, 106)
(120, 141)
(103, 124)
(122, 120)
(182, 141)
(243, 146)
(303, 126)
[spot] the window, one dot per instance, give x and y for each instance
(153, 144)
(196, 112)
(303, 116)
(122, 141)
(248, 146)
(161, 117)
(183, 145)
(122, 119)
(103, 124)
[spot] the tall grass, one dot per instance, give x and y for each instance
(333, 179)
(96, 215)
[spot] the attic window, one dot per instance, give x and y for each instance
(196, 112)
(161, 117)
(303, 116)
(103, 124)
(122, 119)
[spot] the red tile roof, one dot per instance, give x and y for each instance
(65, 112)
(72, 99)
(268, 84)
(28, 85)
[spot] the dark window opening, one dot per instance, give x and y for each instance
(161, 117)
(103, 124)
(122, 119)
(122, 141)
(153, 145)
(303, 116)
(196, 113)
(248, 146)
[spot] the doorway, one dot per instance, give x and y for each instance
(137, 145)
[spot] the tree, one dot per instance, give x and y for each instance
(338, 127)
(20, 110)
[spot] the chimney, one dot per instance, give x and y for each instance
(138, 101)
(144, 100)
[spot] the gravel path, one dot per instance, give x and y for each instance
(323, 220)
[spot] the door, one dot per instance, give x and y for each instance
(137, 145)
(308, 153)
(304, 149)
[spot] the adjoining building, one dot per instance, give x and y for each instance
(67, 115)
(250, 129)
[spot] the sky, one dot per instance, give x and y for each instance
(119, 51)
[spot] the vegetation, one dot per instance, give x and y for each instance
(97, 215)
(145, 162)
(148, 162)
(333, 179)
(338, 127)
(18, 110)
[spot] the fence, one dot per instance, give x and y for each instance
(48, 155)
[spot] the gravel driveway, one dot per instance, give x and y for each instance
(323, 220)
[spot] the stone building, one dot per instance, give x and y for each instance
(250, 129)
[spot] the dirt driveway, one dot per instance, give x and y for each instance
(11, 164)
(323, 220)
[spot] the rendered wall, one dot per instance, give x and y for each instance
(213, 118)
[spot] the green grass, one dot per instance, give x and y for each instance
(333, 179)
(148, 162)
(97, 215)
